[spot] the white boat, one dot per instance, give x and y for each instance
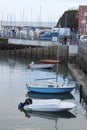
(45, 109)
(40, 66)
(50, 105)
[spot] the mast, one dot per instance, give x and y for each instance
(58, 52)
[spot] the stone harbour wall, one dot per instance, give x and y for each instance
(39, 52)
(82, 59)
(81, 80)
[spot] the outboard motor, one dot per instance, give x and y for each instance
(21, 105)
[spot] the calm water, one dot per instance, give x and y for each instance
(14, 75)
(24, 23)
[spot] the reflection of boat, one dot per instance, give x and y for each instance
(50, 96)
(50, 87)
(50, 61)
(49, 115)
(40, 66)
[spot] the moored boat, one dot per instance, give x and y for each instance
(50, 87)
(32, 65)
(48, 105)
(50, 61)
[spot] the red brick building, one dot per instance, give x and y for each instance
(82, 19)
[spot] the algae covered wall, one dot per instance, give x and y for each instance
(82, 56)
(39, 52)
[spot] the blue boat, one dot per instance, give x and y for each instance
(52, 87)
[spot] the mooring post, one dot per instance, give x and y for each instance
(80, 92)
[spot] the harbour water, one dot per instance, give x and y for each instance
(31, 24)
(14, 74)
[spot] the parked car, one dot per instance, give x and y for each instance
(45, 36)
(83, 38)
(48, 36)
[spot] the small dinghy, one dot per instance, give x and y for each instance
(32, 65)
(50, 61)
(48, 105)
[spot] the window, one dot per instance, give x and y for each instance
(85, 14)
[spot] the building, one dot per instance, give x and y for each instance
(82, 20)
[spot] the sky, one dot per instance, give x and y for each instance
(36, 10)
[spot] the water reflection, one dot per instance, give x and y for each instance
(48, 115)
(49, 96)
(55, 116)
(14, 74)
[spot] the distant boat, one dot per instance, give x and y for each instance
(50, 61)
(32, 65)
(50, 87)
(50, 105)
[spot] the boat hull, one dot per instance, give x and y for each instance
(40, 66)
(50, 105)
(50, 89)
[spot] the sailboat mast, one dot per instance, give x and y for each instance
(58, 53)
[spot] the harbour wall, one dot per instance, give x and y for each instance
(33, 49)
(81, 80)
(82, 57)
(38, 53)
(79, 70)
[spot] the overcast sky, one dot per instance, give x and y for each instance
(36, 10)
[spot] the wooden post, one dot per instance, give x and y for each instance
(81, 93)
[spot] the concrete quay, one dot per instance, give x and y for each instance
(81, 80)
